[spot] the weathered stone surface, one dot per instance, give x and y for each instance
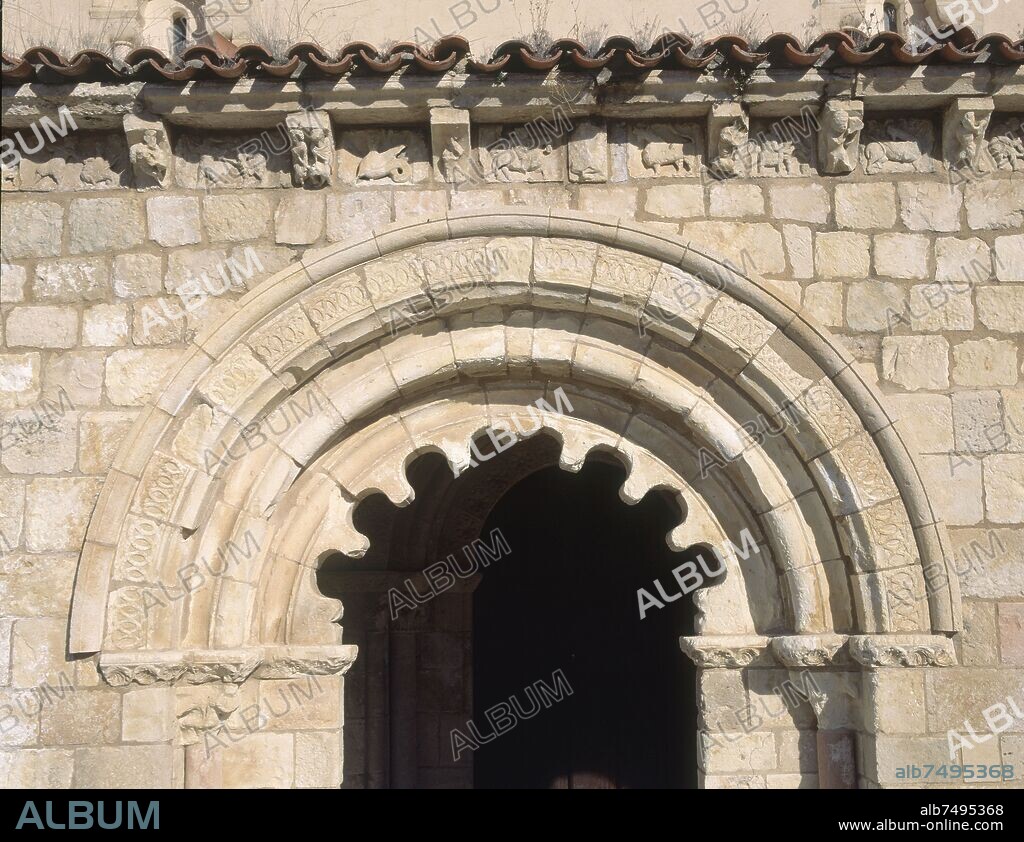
(866, 206)
(299, 219)
(985, 362)
(40, 441)
(802, 202)
(419, 204)
(842, 255)
(978, 422)
(732, 199)
(84, 717)
(76, 377)
(100, 435)
(824, 301)
(174, 221)
(72, 281)
(1002, 308)
(675, 201)
(104, 225)
(37, 647)
(962, 261)
(987, 561)
(354, 215)
(903, 256)
(136, 275)
(875, 305)
(954, 487)
(12, 283)
(39, 231)
(1010, 258)
(105, 326)
(976, 690)
(36, 585)
(980, 640)
(125, 767)
(19, 379)
(148, 715)
(800, 249)
(231, 217)
(57, 513)
(929, 419)
(31, 768)
(1004, 488)
(916, 362)
(930, 207)
(1011, 633)
(995, 204)
(755, 245)
(42, 327)
(135, 377)
(937, 307)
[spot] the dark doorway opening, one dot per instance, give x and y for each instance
(564, 602)
(558, 591)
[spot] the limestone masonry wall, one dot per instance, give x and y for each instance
(896, 223)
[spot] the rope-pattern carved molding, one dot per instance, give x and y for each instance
(230, 666)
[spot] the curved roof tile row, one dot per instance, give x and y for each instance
(670, 52)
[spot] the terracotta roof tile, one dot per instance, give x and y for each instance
(220, 59)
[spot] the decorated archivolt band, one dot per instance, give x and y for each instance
(852, 545)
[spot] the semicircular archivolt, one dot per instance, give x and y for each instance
(709, 371)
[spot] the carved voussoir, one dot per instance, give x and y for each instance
(902, 650)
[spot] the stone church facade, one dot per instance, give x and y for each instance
(782, 286)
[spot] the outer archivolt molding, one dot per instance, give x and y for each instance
(269, 311)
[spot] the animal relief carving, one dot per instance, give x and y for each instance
(898, 146)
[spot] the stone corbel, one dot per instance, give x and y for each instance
(230, 666)
(841, 122)
(963, 134)
(149, 151)
(728, 136)
(311, 144)
(588, 153)
(450, 144)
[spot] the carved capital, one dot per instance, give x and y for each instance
(728, 652)
(230, 666)
(902, 650)
(810, 650)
